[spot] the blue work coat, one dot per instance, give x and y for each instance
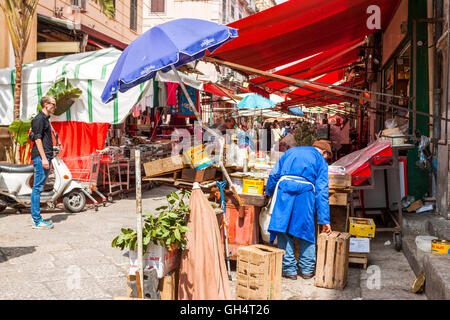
(297, 203)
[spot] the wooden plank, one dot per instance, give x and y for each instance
(341, 260)
(139, 285)
(163, 166)
(358, 258)
(330, 259)
(338, 199)
(338, 181)
(320, 263)
(57, 46)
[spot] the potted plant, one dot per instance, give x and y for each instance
(166, 228)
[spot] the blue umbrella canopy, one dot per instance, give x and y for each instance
(297, 111)
(255, 101)
(174, 43)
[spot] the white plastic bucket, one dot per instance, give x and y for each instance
(424, 243)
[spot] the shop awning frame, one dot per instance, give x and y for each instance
(301, 84)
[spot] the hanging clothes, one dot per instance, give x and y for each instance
(172, 93)
(149, 98)
(156, 93)
(136, 111)
(162, 98)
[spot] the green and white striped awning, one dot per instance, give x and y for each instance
(87, 71)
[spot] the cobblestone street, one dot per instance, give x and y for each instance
(75, 260)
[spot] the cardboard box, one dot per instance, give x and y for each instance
(163, 166)
(415, 205)
(259, 269)
(193, 175)
(362, 227)
(157, 257)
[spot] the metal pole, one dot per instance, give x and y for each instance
(218, 137)
(137, 156)
(414, 74)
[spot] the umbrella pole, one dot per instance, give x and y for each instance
(219, 138)
(139, 218)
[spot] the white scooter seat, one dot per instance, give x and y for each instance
(16, 168)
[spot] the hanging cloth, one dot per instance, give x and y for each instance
(156, 93)
(149, 99)
(162, 94)
(172, 93)
(203, 273)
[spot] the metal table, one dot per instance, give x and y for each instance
(398, 217)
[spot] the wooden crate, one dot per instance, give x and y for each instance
(259, 270)
(168, 286)
(358, 258)
(338, 218)
(332, 260)
(163, 166)
(193, 175)
(338, 199)
(336, 181)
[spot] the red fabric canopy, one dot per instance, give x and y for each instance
(212, 88)
(297, 29)
(312, 67)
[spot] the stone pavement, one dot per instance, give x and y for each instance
(75, 260)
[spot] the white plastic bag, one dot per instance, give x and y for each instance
(264, 221)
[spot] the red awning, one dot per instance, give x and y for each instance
(214, 89)
(319, 64)
(298, 29)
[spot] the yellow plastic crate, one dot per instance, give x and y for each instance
(362, 227)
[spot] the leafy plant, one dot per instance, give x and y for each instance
(20, 129)
(166, 228)
(64, 94)
(20, 146)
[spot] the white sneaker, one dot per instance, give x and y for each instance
(33, 224)
(43, 225)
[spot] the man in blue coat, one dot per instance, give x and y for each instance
(298, 184)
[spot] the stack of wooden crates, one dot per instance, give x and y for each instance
(259, 270)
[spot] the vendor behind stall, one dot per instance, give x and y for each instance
(299, 186)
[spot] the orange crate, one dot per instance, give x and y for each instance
(241, 231)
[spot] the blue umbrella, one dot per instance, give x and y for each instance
(164, 47)
(255, 101)
(297, 111)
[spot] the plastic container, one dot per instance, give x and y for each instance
(198, 157)
(253, 186)
(424, 243)
(440, 246)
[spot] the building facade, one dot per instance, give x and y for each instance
(70, 26)
(264, 4)
(219, 11)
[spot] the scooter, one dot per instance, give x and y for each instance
(15, 188)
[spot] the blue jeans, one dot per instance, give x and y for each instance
(40, 176)
(307, 255)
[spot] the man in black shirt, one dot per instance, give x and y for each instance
(41, 154)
